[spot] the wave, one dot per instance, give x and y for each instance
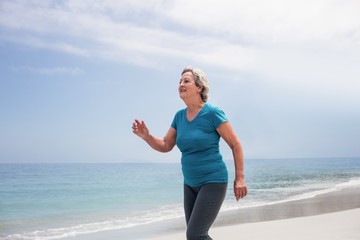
(334, 188)
(140, 218)
(156, 215)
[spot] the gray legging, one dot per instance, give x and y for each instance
(202, 205)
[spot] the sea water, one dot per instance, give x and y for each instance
(55, 201)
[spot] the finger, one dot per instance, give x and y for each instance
(135, 126)
(143, 124)
(138, 124)
(237, 197)
(243, 192)
(240, 192)
(236, 193)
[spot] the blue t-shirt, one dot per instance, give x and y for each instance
(198, 142)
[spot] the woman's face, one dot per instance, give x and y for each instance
(187, 86)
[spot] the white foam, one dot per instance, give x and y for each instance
(331, 188)
(164, 213)
(350, 183)
(140, 218)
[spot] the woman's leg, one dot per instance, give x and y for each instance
(202, 205)
(189, 200)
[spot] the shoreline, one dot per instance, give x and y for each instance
(316, 214)
(340, 225)
(340, 200)
(346, 199)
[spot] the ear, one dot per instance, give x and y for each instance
(200, 89)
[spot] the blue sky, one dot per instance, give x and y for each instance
(74, 75)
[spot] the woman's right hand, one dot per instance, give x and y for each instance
(140, 129)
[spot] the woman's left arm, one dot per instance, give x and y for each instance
(227, 133)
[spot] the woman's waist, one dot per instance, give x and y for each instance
(203, 165)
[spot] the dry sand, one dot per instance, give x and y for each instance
(331, 216)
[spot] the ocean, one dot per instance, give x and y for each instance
(58, 201)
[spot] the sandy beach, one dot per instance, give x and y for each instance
(331, 216)
(343, 225)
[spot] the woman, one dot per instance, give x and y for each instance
(196, 130)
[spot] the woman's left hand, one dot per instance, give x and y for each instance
(240, 189)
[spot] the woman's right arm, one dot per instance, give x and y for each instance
(165, 144)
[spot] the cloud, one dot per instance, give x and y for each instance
(169, 25)
(50, 71)
(282, 69)
(281, 41)
(273, 22)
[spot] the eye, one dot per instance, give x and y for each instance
(185, 81)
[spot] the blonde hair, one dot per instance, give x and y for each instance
(200, 81)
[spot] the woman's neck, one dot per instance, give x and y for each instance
(194, 106)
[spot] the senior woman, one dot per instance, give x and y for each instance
(196, 130)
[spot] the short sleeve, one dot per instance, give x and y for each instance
(218, 117)
(173, 124)
(175, 120)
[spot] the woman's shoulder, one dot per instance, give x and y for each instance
(212, 108)
(216, 114)
(181, 111)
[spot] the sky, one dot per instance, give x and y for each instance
(75, 74)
